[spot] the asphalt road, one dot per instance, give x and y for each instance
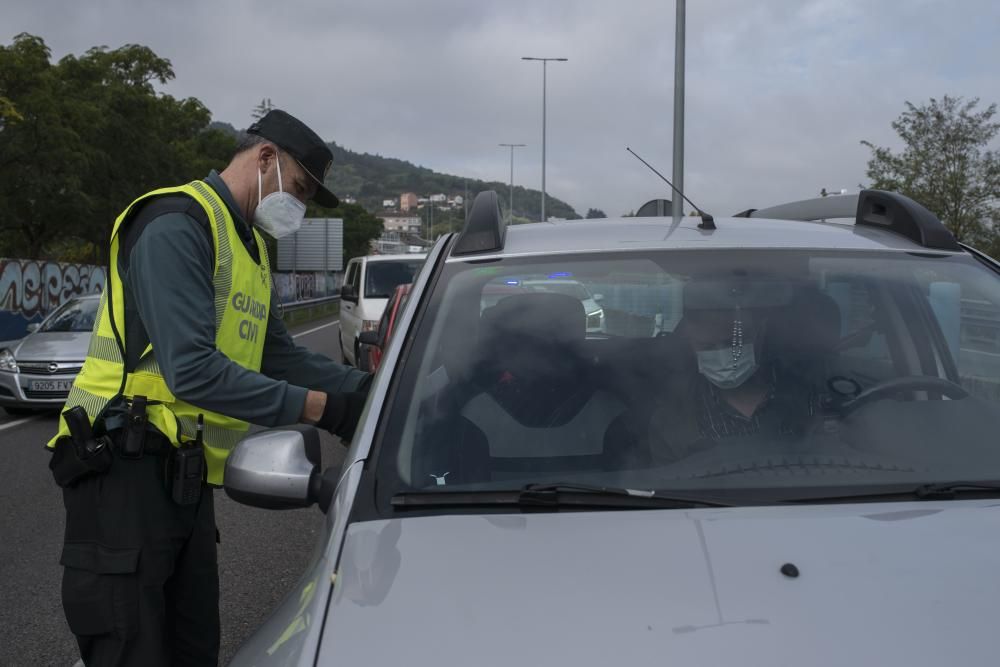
(261, 555)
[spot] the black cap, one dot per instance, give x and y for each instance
(295, 138)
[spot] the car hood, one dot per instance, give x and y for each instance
(54, 346)
(888, 584)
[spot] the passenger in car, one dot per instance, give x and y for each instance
(735, 386)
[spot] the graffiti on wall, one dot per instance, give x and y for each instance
(303, 286)
(31, 289)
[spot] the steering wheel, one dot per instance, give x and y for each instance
(894, 386)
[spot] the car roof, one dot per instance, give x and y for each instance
(659, 233)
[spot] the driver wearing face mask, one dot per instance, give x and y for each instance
(725, 384)
(188, 350)
(739, 391)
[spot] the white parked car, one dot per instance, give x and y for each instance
(368, 284)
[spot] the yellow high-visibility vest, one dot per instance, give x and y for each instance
(242, 302)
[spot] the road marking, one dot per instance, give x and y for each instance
(18, 422)
(306, 333)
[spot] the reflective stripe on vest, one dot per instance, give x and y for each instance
(242, 302)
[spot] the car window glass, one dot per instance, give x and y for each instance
(970, 324)
(863, 346)
(355, 277)
(76, 315)
(383, 277)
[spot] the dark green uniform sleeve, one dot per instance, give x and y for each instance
(284, 360)
(169, 282)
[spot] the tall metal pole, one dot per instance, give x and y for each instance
(510, 214)
(545, 62)
(510, 211)
(678, 203)
(545, 66)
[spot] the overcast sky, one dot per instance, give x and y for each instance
(779, 93)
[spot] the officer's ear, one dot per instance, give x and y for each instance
(267, 153)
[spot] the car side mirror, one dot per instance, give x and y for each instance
(368, 338)
(280, 469)
(598, 297)
(33, 327)
(347, 293)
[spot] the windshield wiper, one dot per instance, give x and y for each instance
(948, 490)
(557, 495)
(934, 491)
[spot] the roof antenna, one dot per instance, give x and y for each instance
(707, 221)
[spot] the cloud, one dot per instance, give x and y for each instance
(778, 95)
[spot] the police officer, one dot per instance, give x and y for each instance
(188, 348)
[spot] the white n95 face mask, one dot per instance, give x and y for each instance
(280, 213)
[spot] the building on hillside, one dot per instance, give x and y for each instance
(438, 199)
(407, 200)
(388, 203)
(349, 199)
(398, 243)
(401, 223)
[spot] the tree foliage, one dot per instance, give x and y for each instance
(81, 138)
(594, 213)
(947, 165)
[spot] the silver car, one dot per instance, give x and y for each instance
(782, 451)
(38, 371)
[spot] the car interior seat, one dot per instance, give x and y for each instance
(804, 335)
(531, 405)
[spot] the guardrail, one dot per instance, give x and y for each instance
(300, 312)
(309, 303)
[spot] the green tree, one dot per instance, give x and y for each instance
(42, 156)
(946, 165)
(92, 134)
(594, 213)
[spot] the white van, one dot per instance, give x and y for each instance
(368, 284)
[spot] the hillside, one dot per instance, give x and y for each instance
(373, 178)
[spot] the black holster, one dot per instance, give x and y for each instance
(81, 454)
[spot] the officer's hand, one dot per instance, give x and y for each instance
(341, 414)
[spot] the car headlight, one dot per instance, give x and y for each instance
(369, 325)
(7, 362)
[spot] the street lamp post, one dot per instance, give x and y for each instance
(545, 62)
(679, 109)
(510, 214)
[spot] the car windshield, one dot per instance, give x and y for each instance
(735, 370)
(75, 315)
(382, 277)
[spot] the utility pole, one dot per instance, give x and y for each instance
(510, 214)
(679, 111)
(545, 62)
